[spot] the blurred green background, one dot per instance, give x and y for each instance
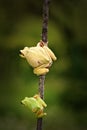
(65, 84)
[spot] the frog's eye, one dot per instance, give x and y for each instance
(21, 54)
(24, 52)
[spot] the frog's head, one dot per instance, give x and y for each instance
(24, 52)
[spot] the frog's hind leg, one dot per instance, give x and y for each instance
(40, 113)
(41, 71)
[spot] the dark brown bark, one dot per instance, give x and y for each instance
(44, 39)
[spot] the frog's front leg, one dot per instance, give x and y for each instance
(41, 70)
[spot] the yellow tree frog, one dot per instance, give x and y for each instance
(36, 104)
(39, 57)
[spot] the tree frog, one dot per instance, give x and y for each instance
(39, 57)
(36, 104)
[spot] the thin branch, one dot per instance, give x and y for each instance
(44, 39)
(41, 91)
(45, 20)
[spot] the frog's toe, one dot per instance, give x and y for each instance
(41, 115)
(41, 71)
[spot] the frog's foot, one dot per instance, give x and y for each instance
(41, 71)
(40, 114)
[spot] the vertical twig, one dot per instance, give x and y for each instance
(41, 91)
(45, 20)
(44, 39)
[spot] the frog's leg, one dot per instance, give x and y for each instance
(40, 100)
(40, 113)
(40, 70)
(49, 51)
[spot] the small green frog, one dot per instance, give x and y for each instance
(39, 57)
(35, 104)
